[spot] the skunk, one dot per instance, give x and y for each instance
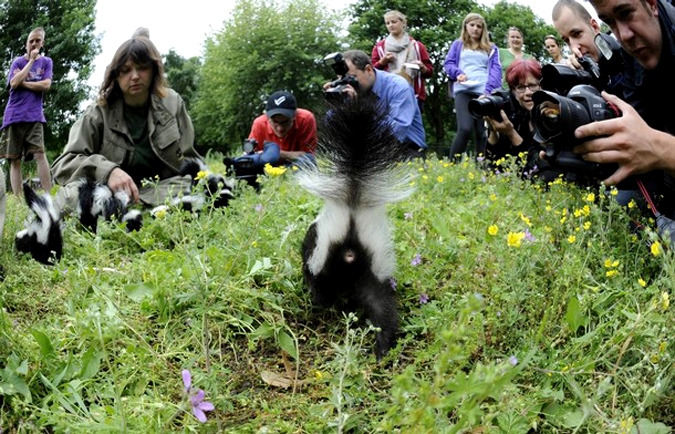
(217, 186)
(348, 250)
(96, 200)
(42, 237)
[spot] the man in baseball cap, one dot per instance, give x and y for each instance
(292, 128)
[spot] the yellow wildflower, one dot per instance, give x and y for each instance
(471, 175)
(656, 248)
(202, 174)
(590, 197)
(160, 214)
(439, 179)
(274, 171)
(587, 225)
(662, 347)
(642, 282)
(514, 239)
(493, 197)
(525, 219)
(614, 191)
(631, 204)
(571, 239)
(611, 264)
(492, 230)
(665, 300)
(611, 273)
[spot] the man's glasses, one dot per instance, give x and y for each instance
(533, 87)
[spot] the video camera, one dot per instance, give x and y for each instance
(252, 164)
(499, 99)
(571, 98)
(337, 62)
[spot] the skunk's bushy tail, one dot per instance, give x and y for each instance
(359, 160)
(42, 237)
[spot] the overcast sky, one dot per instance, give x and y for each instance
(184, 26)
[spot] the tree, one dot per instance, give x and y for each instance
(183, 75)
(266, 45)
(70, 42)
(436, 23)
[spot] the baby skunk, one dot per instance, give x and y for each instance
(42, 237)
(217, 186)
(348, 250)
(96, 200)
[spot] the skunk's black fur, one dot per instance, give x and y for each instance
(42, 237)
(217, 186)
(348, 250)
(96, 200)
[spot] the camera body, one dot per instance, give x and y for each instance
(252, 164)
(561, 78)
(337, 62)
(571, 98)
(491, 105)
(555, 117)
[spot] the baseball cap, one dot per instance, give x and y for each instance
(281, 103)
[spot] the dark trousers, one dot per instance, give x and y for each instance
(467, 124)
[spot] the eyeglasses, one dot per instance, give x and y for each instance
(533, 87)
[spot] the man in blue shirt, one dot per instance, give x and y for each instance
(396, 93)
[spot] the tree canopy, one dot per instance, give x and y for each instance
(266, 45)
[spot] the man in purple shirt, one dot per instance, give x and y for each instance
(30, 76)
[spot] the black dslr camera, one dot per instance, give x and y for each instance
(252, 164)
(499, 99)
(555, 118)
(337, 62)
(571, 98)
(561, 78)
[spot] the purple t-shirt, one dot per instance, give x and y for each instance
(26, 105)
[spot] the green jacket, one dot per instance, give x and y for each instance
(99, 141)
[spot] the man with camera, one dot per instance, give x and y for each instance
(640, 141)
(580, 32)
(283, 123)
(393, 90)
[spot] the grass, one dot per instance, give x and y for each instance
(524, 309)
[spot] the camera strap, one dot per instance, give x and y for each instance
(665, 226)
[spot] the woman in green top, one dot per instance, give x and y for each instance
(514, 51)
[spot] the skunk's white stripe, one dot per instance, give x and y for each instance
(332, 224)
(373, 231)
(40, 226)
(372, 227)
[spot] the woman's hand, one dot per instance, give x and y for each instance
(119, 180)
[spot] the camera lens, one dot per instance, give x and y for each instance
(549, 119)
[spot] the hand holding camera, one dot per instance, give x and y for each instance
(345, 84)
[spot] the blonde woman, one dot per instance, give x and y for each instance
(398, 48)
(513, 52)
(472, 64)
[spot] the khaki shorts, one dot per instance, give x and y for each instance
(22, 140)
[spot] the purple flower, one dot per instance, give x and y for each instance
(259, 207)
(513, 360)
(424, 299)
(417, 260)
(393, 283)
(529, 236)
(199, 406)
